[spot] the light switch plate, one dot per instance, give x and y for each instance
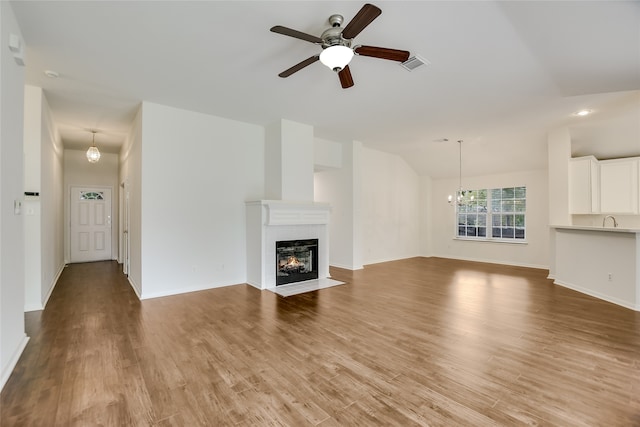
(14, 43)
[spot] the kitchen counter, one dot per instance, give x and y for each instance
(597, 261)
(588, 228)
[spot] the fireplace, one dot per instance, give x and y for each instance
(272, 221)
(296, 261)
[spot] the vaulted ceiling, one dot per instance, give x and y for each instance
(500, 74)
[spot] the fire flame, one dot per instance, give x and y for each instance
(292, 264)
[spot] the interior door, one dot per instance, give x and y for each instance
(125, 232)
(90, 224)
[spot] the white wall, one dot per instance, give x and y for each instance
(327, 155)
(44, 214)
(273, 162)
(12, 336)
(602, 264)
(197, 172)
(390, 208)
(32, 215)
(289, 162)
(375, 207)
(130, 174)
(426, 224)
(51, 204)
(403, 215)
(533, 254)
(79, 172)
(338, 183)
(32, 137)
(559, 153)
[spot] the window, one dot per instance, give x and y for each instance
(91, 195)
(493, 214)
(472, 214)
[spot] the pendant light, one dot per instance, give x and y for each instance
(93, 155)
(463, 197)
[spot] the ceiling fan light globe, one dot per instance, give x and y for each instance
(336, 57)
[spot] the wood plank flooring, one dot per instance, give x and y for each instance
(423, 341)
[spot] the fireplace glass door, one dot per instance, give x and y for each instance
(296, 261)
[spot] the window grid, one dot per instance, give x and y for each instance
(493, 214)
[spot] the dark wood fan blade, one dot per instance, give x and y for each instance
(345, 78)
(383, 53)
(299, 66)
(297, 34)
(364, 17)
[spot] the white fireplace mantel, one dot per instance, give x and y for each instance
(269, 221)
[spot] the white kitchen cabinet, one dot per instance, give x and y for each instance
(619, 186)
(584, 185)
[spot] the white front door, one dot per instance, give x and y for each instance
(90, 224)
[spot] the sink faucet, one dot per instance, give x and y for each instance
(615, 223)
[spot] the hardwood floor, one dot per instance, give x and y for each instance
(412, 342)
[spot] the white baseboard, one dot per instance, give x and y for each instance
(134, 286)
(182, 291)
(39, 307)
(381, 260)
(613, 300)
(492, 261)
(8, 370)
(53, 285)
(347, 267)
(255, 285)
(33, 307)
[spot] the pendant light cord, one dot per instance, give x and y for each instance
(460, 167)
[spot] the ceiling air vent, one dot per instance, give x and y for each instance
(414, 62)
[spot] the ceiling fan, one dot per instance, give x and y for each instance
(336, 44)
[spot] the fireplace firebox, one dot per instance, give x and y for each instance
(296, 261)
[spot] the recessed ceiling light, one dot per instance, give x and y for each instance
(582, 113)
(51, 74)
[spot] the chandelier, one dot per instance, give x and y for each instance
(463, 197)
(93, 155)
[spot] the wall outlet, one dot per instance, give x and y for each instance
(610, 277)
